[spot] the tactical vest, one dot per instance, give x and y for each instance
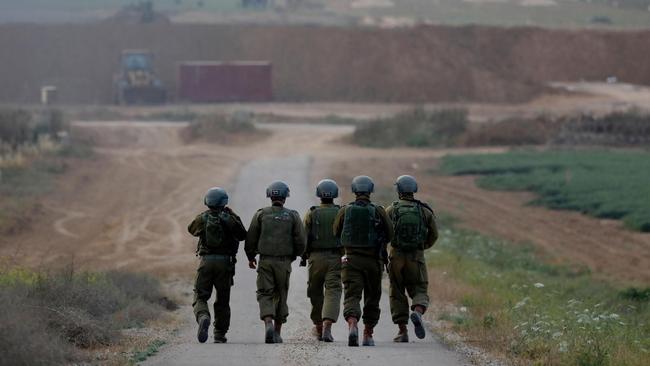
(215, 235)
(359, 226)
(410, 228)
(321, 235)
(276, 237)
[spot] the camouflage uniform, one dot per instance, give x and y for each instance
(216, 268)
(278, 236)
(407, 269)
(324, 253)
(363, 268)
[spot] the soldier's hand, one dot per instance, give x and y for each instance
(303, 262)
(252, 264)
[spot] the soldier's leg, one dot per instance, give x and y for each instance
(317, 270)
(283, 274)
(353, 281)
(372, 292)
(202, 289)
(222, 304)
(417, 283)
(399, 305)
(332, 301)
(265, 289)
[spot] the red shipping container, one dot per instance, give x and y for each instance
(238, 81)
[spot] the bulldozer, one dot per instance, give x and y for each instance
(136, 82)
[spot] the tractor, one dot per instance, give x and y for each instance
(136, 82)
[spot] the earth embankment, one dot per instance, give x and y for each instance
(421, 64)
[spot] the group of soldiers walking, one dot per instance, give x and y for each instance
(346, 250)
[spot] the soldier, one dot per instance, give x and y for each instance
(324, 253)
(364, 230)
(415, 230)
(278, 236)
(219, 231)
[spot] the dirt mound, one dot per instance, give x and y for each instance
(422, 64)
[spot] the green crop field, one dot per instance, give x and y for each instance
(613, 185)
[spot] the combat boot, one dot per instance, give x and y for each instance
(220, 337)
(402, 334)
(367, 336)
(317, 331)
(327, 331)
(353, 338)
(416, 319)
(204, 324)
(268, 330)
(277, 337)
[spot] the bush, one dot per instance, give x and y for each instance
(51, 313)
(219, 128)
(416, 128)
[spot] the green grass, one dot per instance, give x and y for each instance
(142, 355)
(605, 184)
(536, 312)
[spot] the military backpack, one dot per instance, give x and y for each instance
(321, 234)
(276, 236)
(410, 228)
(215, 235)
(360, 226)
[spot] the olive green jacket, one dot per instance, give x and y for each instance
(385, 229)
(233, 228)
(298, 236)
(429, 220)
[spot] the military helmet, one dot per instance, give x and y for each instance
(327, 188)
(363, 184)
(277, 189)
(216, 197)
(406, 184)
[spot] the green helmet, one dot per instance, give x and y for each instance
(277, 189)
(363, 184)
(327, 188)
(406, 184)
(216, 197)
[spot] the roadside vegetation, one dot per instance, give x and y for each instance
(605, 184)
(222, 128)
(35, 147)
(416, 128)
(508, 300)
(60, 317)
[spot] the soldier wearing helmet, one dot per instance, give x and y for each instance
(415, 231)
(219, 231)
(364, 229)
(277, 234)
(324, 253)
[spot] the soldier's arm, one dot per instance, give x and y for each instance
(389, 213)
(432, 234)
(299, 237)
(387, 223)
(197, 226)
(307, 221)
(253, 237)
(338, 222)
(236, 226)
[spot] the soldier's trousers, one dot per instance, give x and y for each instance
(214, 271)
(324, 274)
(407, 273)
(362, 277)
(273, 287)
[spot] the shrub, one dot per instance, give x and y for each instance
(417, 128)
(219, 128)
